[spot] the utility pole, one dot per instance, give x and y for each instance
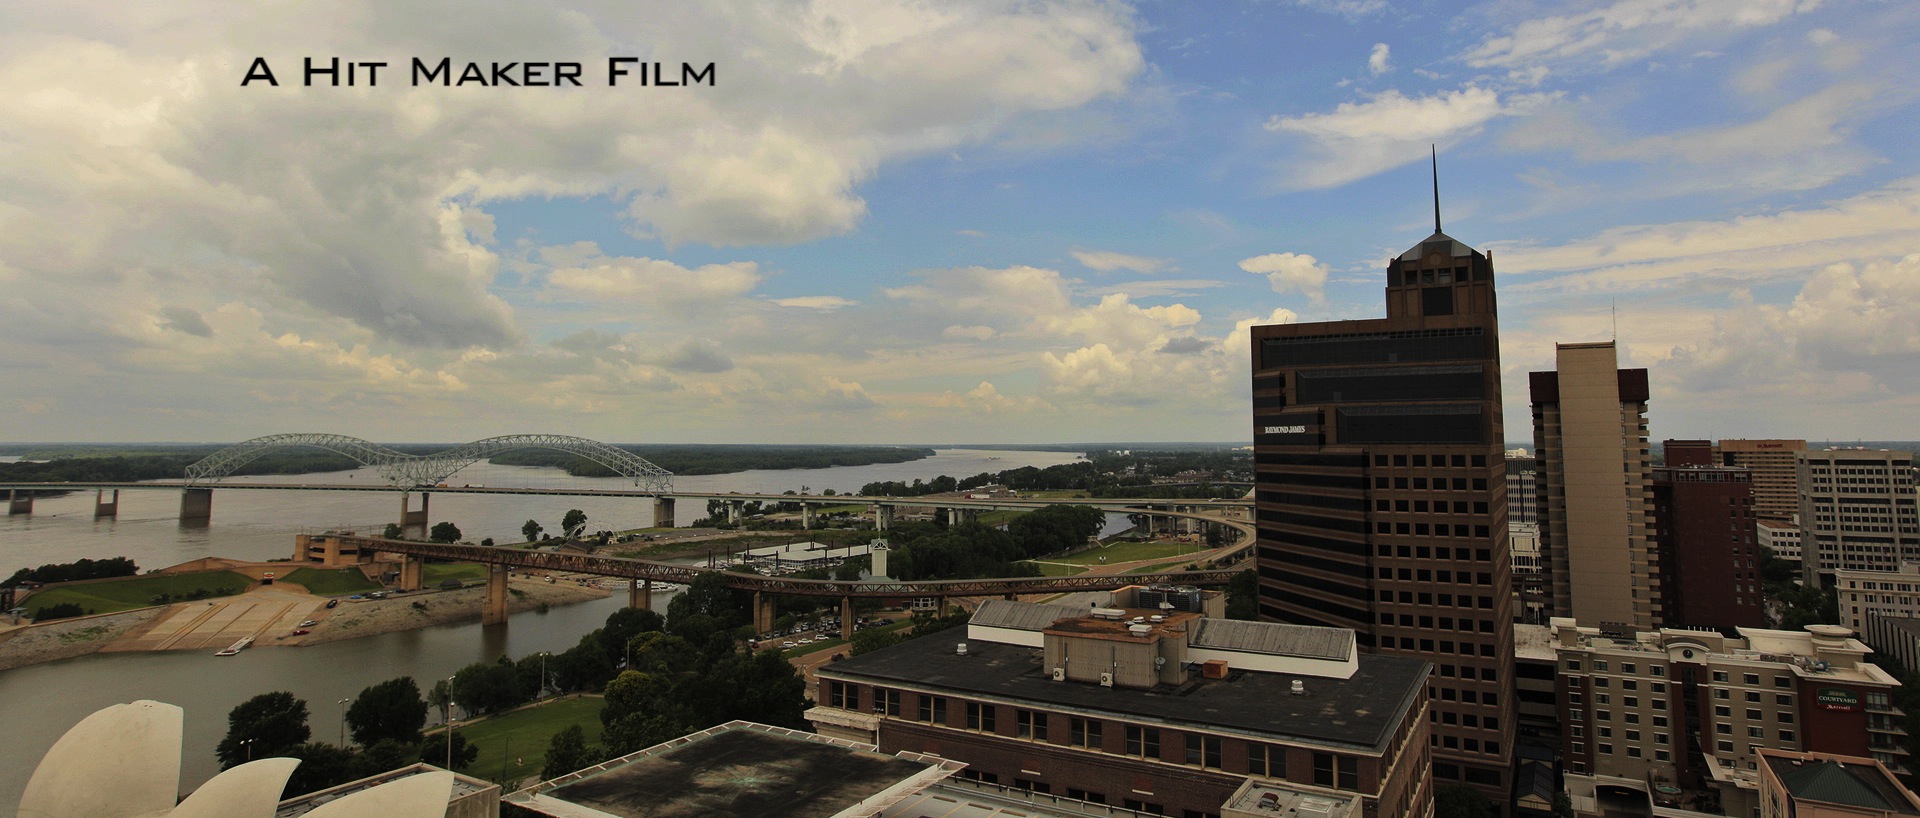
(343, 722)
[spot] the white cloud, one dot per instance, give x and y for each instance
(1291, 272)
(968, 333)
(1378, 61)
(654, 281)
(1107, 261)
(1625, 31)
(816, 302)
(697, 355)
(1359, 139)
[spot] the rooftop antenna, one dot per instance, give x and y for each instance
(1616, 319)
(1436, 186)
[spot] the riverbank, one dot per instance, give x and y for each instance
(357, 618)
(67, 638)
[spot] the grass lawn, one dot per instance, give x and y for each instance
(434, 573)
(1001, 517)
(525, 733)
(137, 592)
(1130, 551)
(1054, 569)
(1176, 565)
(333, 582)
(1056, 494)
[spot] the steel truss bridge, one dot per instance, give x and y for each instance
(403, 470)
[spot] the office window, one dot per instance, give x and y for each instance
(886, 700)
(981, 717)
(1340, 772)
(1030, 724)
(1084, 733)
(933, 709)
(1267, 760)
(840, 694)
(1143, 741)
(1203, 750)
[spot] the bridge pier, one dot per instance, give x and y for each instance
(806, 516)
(640, 594)
(409, 517)
(493, 611)
(102, 507)
(412, 573)
(196, 504)
(734, 510)
(663, 512)
(846, 617)
(19, 502)
(762, 612)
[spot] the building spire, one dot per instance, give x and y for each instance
(1436, 187)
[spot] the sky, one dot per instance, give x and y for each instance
(888, 221)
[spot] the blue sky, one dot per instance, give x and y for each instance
(920, 222)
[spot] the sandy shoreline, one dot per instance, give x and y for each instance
(67, 638)
(357, 618)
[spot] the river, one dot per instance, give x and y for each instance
(39, 703)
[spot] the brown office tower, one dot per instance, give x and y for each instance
(1590, 432)
(1381, 494)
(1776, 476)
(1703, 525)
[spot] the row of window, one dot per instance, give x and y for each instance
(1480, 532)
(1431, 483)
(1440, 552)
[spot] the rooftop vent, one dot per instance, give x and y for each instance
(960, 649)
(1139, 629)
(1299, 687)
(1114, 614)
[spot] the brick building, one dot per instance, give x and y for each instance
(1168, 713)
(1705, 530)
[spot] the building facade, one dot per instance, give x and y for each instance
(1705, 529)
(1856, 512)
(1590, 433)
(1380, 493)
(1695, 708)
(1776, 473)
(1826, 785)
(1163, 713)
(1783, 539)
(1523, 487)
(1866, 595)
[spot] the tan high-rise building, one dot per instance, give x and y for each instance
(1776, 479)
(1596, 469)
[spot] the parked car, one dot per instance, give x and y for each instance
(301, 632)
(333, 603)
(788, 644)
(308, 624)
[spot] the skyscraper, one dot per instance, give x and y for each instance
(1590, 433)
(1381, 493)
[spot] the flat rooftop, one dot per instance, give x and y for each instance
(1360, 712)
(741, 770)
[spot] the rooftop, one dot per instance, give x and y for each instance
(739, 769)
(1332, 644)
(1359, 712)
(1832, 781)
(1281, 800)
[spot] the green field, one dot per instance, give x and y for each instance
(434, 573)
(525, 734)
(1130, 552)
(331, 582)
(137, 592)
(1054, 569)
(1001, 517)
(1176, 565)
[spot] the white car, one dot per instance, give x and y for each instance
(788, 644)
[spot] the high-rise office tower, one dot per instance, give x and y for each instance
(1856, 512)
(1590, 433)
(1776, 478)
(1381, 493)
(1704, 528)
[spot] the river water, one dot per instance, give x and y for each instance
(39, 703)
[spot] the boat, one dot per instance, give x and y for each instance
(236, 647)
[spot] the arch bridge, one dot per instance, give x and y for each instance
(641, 574)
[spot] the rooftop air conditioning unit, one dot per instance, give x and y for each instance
(1059, 674)
(1106, 680)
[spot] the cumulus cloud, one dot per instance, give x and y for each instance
(1359, 139)
(187, 320)
(655, 281)
(1624, 31)
(1291, 272)
(1107, 261)
(1378, 62)
(697, 355)
(816, 302)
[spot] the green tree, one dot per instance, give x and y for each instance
(444, 532)
(1461, 801)
(391, 710)
(321, 766)
(384, 755)
(568, 751)
(434, 750)
(873, 639)
(532, 530)
(487, 687)
(1562, 805)
(1243, 596)
(394, 531)
(574, 518)
(638, 731)
(488, 542)
(267, 725)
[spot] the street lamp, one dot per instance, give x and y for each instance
(449, 718)
(543, 676)
(248, 744)
(343, 721)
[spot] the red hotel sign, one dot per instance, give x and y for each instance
(1836, 698)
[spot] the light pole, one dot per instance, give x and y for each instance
(543, 676)
(248, 743)
(343, 722)
(449, 736)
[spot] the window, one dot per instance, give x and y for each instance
(1203, 750)
(1267, 760)
(980, 717)
(1143, 741)
(1340, 772)
(933, 709)
(841, 695)
(1030, 724)
(1084, 733)
(886, 700)
(1750, 678)
(1719, 675)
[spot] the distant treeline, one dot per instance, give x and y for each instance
(1103, 474)
(970, 550)
(722, 459)
(124, 468)
(68, 572)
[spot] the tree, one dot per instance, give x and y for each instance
(532, 530)
(321, 766)
(574, 518)
(434, 750)
(1461, 801)
(391, 710)
(487, 687)
(873, 639)
(488, 542)
(444, 532)
(568, 751)
(394, 531)
(1562, 805)
(267, 725)
(1243, 596)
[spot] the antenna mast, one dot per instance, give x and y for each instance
(1436, 186)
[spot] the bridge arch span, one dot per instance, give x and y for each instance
(405, 470)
